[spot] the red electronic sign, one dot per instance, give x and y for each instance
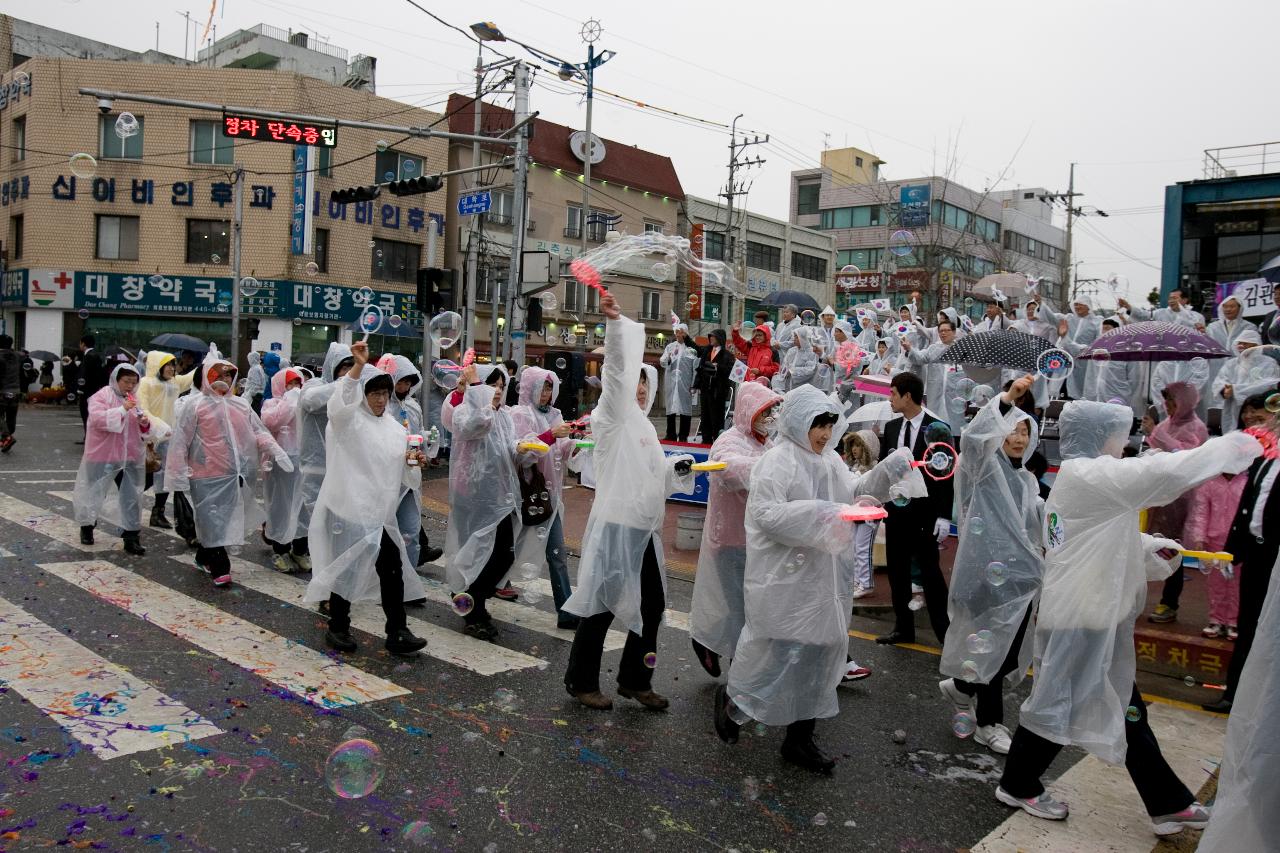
(271, 130)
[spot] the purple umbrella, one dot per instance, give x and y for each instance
(1154, 341)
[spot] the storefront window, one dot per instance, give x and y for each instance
(135, 332)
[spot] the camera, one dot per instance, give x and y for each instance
(105, 105)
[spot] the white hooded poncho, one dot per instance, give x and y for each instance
(482, 480)
(1249, 372)
(365, 473)
(679, 364)
(1081, 333)
(633, 479)
(718, 612)
(313, 417)
(942, 382)
(800, 568)
(800, 364)
(1097, 565)
(530, 422)
(281, 489)
(1001, 515)
(1227, 332)
(113, 445)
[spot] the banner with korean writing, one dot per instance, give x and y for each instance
(1255, 295)
(914, 205)
(694, 302)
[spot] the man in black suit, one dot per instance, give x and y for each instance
(1254, 542)
(714, 383)
(915, 531)
(92, 377)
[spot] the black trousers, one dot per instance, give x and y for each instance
(1255, 577)
(500, 560)
(712, 416)
(991, 696)
(297, 546)
(391, 586)
(583, 674)
(11, 418)
(1161, 790)
(1171, 594)
(215, 560)
(908, 534)
(184, 519)
(686, 421)
(799, 732)
(256, 404)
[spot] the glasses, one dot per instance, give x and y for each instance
(379, 395)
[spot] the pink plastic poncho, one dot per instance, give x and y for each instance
(1183, 431)
(281, 490)
(718, 616)
(532, 423)
(113, 444)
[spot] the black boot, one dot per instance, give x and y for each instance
(86, 534)
(726, 728)
(710, 660)
(403, 642)
(426, 554)
(157, 513)
(804, 752)
(132, 545)
(339, 640)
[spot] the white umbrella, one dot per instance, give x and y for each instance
(1001, 285)
(876, 414)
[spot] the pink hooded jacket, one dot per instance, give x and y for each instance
(111, 433)
(741, 448)
(1183, 431)
(1213, 508)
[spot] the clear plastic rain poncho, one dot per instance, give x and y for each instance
(1081, 333)
(679, 364)
(800, 567)
(255, 382)
(1227, 332)
(633, 479)
(1194, 373)
(1244, 813)
(366, 471)
(281, 489)
(113, 444)
(718, 611)
(313, 417)
(799, 364)
(532, 420)
(943, 383)
(483, 490)
(157, 397)
(1097, 565)
(1247, 373)
(999, 562)
(784, 335)
(213, 455)
(408, 411)
(1125, 381)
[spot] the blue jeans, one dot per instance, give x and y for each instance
(558, 567)
(409, 520)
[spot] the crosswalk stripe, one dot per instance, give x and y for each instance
(101, 705)
(31, 482)
(444, 644)
(676, 619)
(50, 524)
(302, 671)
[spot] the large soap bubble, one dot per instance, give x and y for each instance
(446, 328)
(127, 125)
(355, 768)
(673, 249)
(83, 165)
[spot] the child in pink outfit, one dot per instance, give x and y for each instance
(1213, 507)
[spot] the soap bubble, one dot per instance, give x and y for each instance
(969, 671)
(505, 698)
(981, 643)
(372, 243)
(463, 603)
(548, 300)
(660, 271)
(249, 286)
(371, 319)
(820, 819)
(532, 596)
(1132, 714)
(936, 432)
(336, 528)
(21, 78)
(215, 258)
(297, 321)
(997, 573)
(981, 395)
(528, 571)
(83, 314)
(378, 254)
(900, 243)
(561, 363)
(1117, 401)
(364, 294)
(968, 302)
(409, 167)
(957, 405)
(311, 268)
(1199, 365)
(1055, 363)
(354, 769)
(899, 736)
(83, 165)
(394, 320)
(651, 660)
(446, 328)
(418, 832)
(381, 145)
(977, 526)
(962, 724)
(901, 500)
(1189, 680)
(1273, 403)
(126, 125)
(388, 176)
(156, 280)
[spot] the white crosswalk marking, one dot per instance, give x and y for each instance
(298, 669)
(676, 619)
(50, 524)
(101, 705)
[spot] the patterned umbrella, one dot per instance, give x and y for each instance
(998, 349)
(1154, 341)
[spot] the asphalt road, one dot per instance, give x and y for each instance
(140, 707)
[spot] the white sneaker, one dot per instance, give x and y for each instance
(916, 603)
(863, 591)
(964, 704)
(282, 563)
(1194, 816)
(994, 737)
(916, 589)
(302, 561)
(1043, 806)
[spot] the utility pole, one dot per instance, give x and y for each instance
(733, 189)
(235, 265)
(1069, 197)
(516, 332)
(473, 241)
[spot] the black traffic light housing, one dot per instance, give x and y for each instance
(350, 194)
(416, 186)
(433, 283)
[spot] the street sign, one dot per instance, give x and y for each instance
(266, 130)
(470, 205)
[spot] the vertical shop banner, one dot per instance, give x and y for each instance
(304, 182)
(914, 206)
(694, 298)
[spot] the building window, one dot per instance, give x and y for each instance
(321, 246)
(808, 266)
(596, 226)
(981, 266)
(857, 161)
(651, 305)
(394, 261)
(762, 257)
(578, 298)
(654, 227)
(572, 295)
(593, 301)
(807, 199)
(112, 147)
(208, 240)
(864, 216)
(489, 276)
(864, 259)
(713, 245)
(391, 165)
(209, 147)
(324, 162)
(19, 144)
(501, 209)
(573, 222)
(117, 238)
(15, 238)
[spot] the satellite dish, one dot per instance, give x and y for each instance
(578, 145)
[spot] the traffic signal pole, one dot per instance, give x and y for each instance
(516, 331)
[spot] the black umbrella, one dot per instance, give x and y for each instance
(798, 298)
(43, 355)
(176, 341)
(998, 349)
(1271, 270)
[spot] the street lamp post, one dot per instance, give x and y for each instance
(591, 31)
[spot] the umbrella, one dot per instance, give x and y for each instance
(1271, 270)
(1152, 341)
(1001, 285)
(119, 353)
(43, 355)
(176, 341)
(872, 413)
(798, 298)
(998, 349)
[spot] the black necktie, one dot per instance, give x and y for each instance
(906, 433)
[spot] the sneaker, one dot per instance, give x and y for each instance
(341, 641)
(1194, 816)
(302, 561)
(1163, 613)
(481, 631)
(863, 591)
(1232, 633)
(807, 755)
(854, 672)
(649, 699)
(507, 593)
(1213, 629)
(7, 444)
(916, 589)
(282, 563)
(916, 602)
(1043, 806)
(964, 704)
(994, 737)
(222, 580)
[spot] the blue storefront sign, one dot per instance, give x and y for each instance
(914, 206)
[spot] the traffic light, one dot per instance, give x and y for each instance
(433, 282)
(253, 324)
(416, 186)
(351, 194)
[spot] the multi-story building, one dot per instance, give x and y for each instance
(927, 234)
(774, 255)
(129, 235)
(632, 191)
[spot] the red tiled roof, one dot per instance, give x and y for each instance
(622, 164)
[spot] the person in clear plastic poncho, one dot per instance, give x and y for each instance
(537, 419)
(406, 409)
(114, 453)
(313, 417)
(798, 586)
(621, 573)
(356, 548)
(214, 454)
(281, 489)
(1114, 381)
(679, 363)
(1082, 328)
(484, 495)
(717, 615)
(998, 567)
(157, 393)
(1242, 376)
(1097, 565)
(942, 381)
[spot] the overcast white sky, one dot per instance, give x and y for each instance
(1132, 91)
